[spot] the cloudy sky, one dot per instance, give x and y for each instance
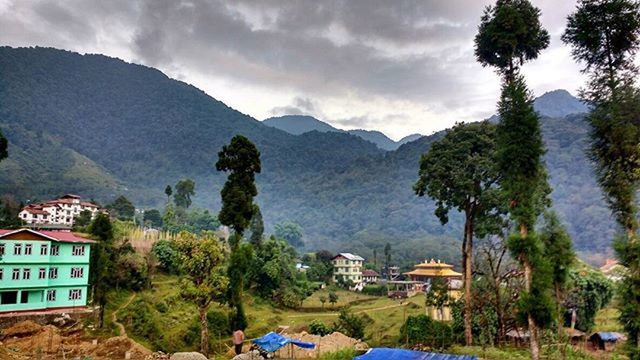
(397, 66)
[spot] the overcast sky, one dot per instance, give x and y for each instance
(397, 66)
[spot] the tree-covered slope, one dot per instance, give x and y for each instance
(100, 127)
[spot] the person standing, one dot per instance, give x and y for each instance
(238, 339)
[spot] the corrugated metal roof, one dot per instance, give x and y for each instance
(62, 236)
(403, 354)
(349, 256)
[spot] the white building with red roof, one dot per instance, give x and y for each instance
(60, 212)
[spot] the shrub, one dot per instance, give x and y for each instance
(350, 324)
(167, 256)
(375, 290)
(317, 327)
(218, 322)
(422, 330)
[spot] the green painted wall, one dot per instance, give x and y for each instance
(35, 288)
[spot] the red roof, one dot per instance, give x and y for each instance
(55, 235)
(369, 273)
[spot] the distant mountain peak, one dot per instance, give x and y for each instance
(299, 124)
(559, 103)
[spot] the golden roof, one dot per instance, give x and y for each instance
(434, 269)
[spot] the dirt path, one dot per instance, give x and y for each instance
(114, 315)
(356, 312)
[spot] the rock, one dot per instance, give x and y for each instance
(248, 356)
(188, 356)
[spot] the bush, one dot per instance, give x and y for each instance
(422, 330)
(218, 322)
(350, 324)
(317, 327)
(167, 256)
(191, 336)
(375, 290)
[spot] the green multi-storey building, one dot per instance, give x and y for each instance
(43, 270)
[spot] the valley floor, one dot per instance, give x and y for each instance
(160, 320)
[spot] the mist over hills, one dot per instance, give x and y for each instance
(101, 127)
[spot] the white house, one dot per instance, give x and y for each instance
(61, 211)
(347, 266)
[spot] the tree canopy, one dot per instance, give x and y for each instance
(185, 189)
(121, 208)
(509, 34)
(241, 159)
(290, 232)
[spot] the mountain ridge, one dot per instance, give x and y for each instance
(117, 128)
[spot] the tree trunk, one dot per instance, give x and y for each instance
(467, 256)
(500, 313)
(558, 308)
(204, 331)
(528, 280)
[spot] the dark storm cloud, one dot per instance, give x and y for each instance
(350, 54)
(293, 46)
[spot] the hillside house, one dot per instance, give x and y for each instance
(348, 267)
(43, 270)
(370, 276)
(59, 212)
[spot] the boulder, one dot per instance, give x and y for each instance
(188, 356)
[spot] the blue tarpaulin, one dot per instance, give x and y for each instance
(402, 354)
(608, 336)
(272, 342)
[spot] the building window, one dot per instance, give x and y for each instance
(42, 274)
(1, 273)
(27, 249)
(78, 250)
(55, 250)
(26, 274)
(53, 273)
(43, 249)
(8, 297)
(77, 272)
(15, 275)
(1, 249)
(75, 294)
(51, 295)
(17, 249)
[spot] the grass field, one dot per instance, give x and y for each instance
(384, 317)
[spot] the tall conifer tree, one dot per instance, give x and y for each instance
(605, 35)
(510, 33)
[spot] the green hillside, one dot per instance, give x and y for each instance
(100, 127)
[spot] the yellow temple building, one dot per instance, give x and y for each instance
(425, 273)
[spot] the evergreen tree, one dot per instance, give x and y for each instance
(101, 262)
(168, 191)
(257, 228)
(290, 232)
(559, 252)
(387, 259)
(121, 208)
(605, 35)
(241, 159)
(509, 34)
(185, 189)
(4, 145)
(459, 172)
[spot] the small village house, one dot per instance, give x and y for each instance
(60, 212)
(370, 276)
(43, 270)
(347, 267)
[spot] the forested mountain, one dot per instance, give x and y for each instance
(300, 124)
(100, 127)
